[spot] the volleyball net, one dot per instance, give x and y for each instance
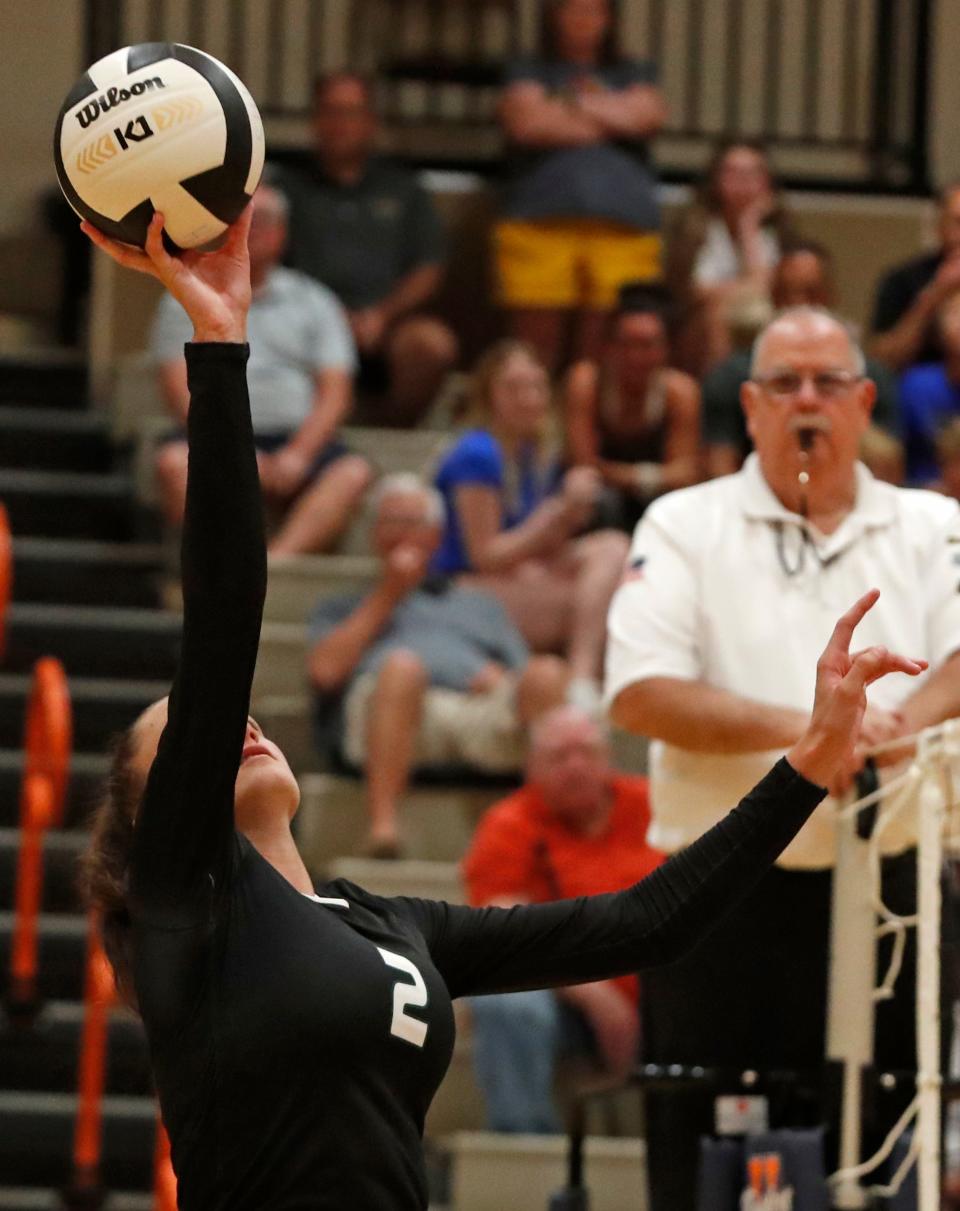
(921, 800)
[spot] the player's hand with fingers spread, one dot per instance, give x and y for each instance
(212, 287)
(826, 751)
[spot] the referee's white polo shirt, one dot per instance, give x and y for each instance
(720, 589)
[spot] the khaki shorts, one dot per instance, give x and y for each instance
(562, 263)
(481, 730)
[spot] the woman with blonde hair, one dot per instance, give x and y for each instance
(515, 519)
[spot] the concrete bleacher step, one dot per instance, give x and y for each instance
(32, 1198)
(491, 1172)
(295, 585)
(87, 573)
(93, 641)
(392, 450)
(282, 661)
(54, 439)
(43, 1057)
(87, 774)
(436, 823)
(102, 706)
(406, 877)
(36, 1137)
(61, 851)
(62, 504)
(50, 378)
(62, 942)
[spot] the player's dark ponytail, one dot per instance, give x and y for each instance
(105, 864)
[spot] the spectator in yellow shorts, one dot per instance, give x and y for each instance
(581, 216)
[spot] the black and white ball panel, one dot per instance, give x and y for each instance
(159, 126)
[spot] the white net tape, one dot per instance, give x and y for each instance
(928, 787)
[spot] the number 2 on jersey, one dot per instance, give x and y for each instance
(405, 1027)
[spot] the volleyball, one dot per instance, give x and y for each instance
(159, 126)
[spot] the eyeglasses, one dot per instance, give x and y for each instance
(828, 384)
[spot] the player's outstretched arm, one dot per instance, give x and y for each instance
(663, 916)
(185, 825)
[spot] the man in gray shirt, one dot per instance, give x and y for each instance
(430, 674)
(364, 227)
(302, 360)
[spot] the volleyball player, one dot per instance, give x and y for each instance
(297, 1034)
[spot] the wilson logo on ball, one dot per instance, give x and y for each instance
(97, 153)
(173, 112)
(114, 96)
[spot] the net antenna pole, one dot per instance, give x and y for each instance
(850, 1006)
(936, 798)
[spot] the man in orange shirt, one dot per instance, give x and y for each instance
(577, 828)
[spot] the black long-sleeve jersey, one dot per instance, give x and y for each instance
(297, 1042)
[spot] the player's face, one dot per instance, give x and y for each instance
(520, 396)
(805, 378)
(265, 783)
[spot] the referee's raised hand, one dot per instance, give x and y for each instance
(825, 754)
(212, 287)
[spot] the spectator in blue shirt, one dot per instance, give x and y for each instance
(930, 398)
(515, 519)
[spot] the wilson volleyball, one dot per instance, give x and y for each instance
(159, 126)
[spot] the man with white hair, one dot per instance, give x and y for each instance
(301, 367)
(577, 827)
(712, 639)
(429, 674)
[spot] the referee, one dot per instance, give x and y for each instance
(297, 1034)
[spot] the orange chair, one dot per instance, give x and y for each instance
(84, 1188)
(48, 738)
(47, 743)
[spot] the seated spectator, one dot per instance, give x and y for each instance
(930, 397)
(581, 215)
(722, 247)
(577, 828)
(633, 417)
(803, 277)
(300, 370)
(514, 518)
(430, 674)
(948, 459)
(366, 229)
(909, 296)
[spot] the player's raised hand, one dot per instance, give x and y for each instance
(212, 287)
(826, 752)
